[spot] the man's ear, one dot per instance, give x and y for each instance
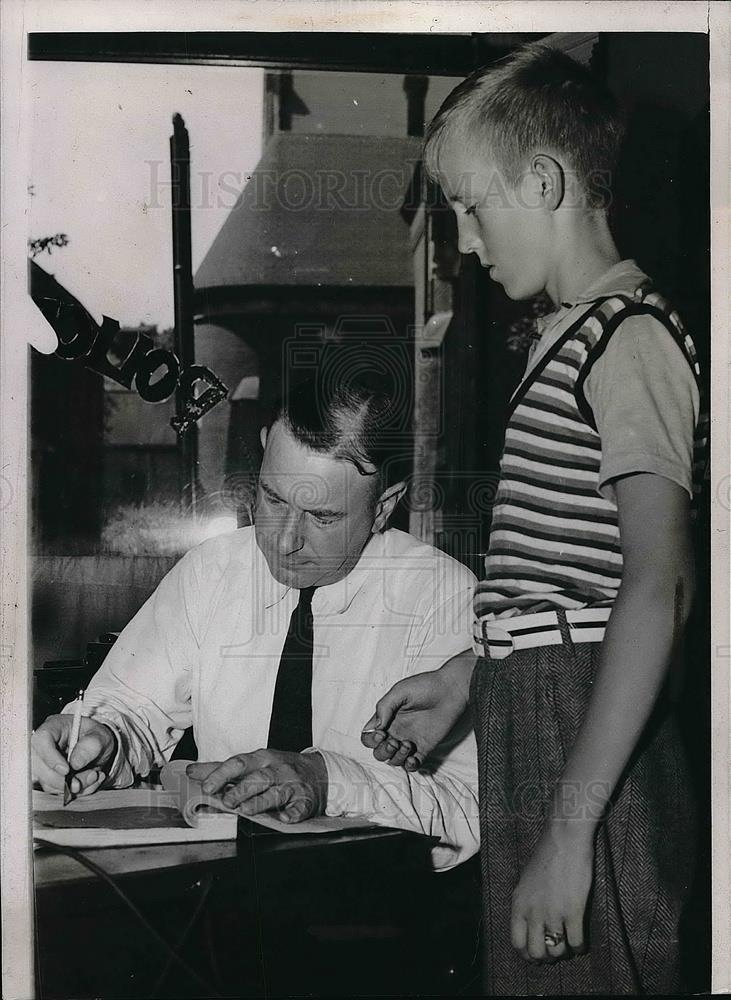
(386, 505)
(550, 181)
(263, 435)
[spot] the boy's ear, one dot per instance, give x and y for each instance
(386, 505)
(549, 175)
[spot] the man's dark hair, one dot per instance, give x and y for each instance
(357, 419)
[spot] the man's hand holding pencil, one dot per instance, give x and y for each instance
(56, 758)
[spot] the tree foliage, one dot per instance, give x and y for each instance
(46, 243)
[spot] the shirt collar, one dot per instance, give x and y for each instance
(271, 590)
(623, 278)
(336, 597)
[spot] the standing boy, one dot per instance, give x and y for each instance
(584, 798)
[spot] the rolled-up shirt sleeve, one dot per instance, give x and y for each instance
(645, 401)
(441, 804)
(142, 689)
(439, 801)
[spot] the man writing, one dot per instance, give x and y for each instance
(274, 640)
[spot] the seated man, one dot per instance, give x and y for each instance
(282, 636)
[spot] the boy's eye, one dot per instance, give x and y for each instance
(274, 501)
(471, 210)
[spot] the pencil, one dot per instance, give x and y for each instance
(73, 740)
(76, 725)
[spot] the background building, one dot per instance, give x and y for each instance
(316, 253)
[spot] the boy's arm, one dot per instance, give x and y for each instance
(649, 614)
(418, 712)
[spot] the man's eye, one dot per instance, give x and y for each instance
(322, 518)
(274, 501)
(471, 210)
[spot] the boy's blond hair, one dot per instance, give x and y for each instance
(537, 99)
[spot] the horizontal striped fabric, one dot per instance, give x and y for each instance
(554, 540)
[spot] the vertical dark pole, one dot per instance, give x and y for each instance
(183, 298)
(415, 88)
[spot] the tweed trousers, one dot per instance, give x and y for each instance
(527, 710)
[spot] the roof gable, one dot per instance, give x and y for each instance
(319, 209)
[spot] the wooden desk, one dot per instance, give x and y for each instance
(53, 870)
(267, 915)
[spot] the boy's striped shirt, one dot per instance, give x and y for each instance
(554, 540)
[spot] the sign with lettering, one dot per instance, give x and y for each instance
(154, 373)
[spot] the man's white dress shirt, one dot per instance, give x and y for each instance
(204, 651)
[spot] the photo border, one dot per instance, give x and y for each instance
(17, 19)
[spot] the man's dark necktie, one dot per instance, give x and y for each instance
(291, 723)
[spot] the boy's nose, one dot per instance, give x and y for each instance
(472, 246)
(468, 239)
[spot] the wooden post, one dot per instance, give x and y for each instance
(415, 88)
(424, 519)
(183, 299)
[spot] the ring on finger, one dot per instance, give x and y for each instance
(554, 938)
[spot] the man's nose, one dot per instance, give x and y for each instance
(291, 535)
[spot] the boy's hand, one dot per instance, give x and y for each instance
(90, 758)
(412, 718)
(552, 894)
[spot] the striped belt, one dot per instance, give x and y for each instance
(498, 638)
